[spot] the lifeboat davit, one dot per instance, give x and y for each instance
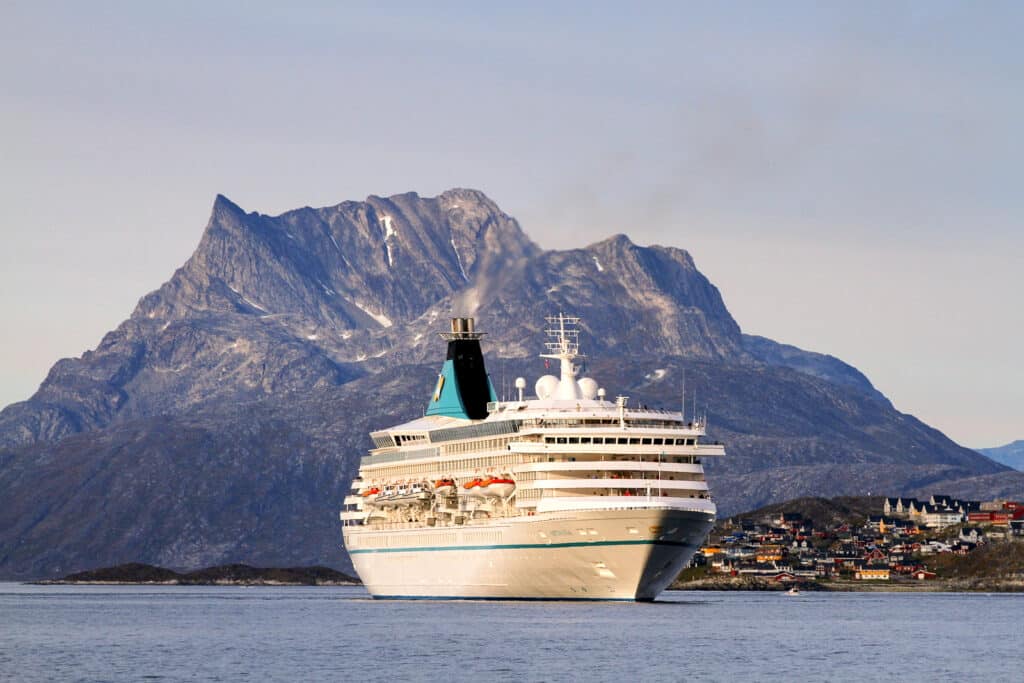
(498, 487)
(444, 487)
(474, 488)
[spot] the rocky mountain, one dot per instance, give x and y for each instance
(222, 421)
(270, 305)
(1011, 455)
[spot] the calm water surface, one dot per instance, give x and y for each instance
(129, 633)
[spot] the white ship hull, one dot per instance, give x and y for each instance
(629, 554)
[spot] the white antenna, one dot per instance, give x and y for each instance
(563, 336)
(684, 394)
(563, 345)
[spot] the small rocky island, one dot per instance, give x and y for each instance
(225, 575)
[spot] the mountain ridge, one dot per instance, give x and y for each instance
(1011, 454)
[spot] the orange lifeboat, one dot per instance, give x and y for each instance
(498, 486)
(444, 487)
(473, 487)
(370, 493)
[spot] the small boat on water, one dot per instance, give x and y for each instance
(793, 590)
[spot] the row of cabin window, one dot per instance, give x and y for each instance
(410, 471)
(481, 445)
(680, 459)
(579, 422)
(620, 440)
(653, 491)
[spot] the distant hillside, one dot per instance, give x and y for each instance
(233, 574)
(1011, 455)
(990, 561)
(822, 511)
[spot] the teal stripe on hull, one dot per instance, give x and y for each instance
(513, 546)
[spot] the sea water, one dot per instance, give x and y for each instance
(130, 633)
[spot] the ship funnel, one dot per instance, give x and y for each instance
(463, 386)
(463, 326)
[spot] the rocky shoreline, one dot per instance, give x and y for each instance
(751, 583)
(224, 575)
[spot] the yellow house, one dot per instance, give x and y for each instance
(872, 575)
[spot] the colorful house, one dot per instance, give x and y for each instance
(871, 574)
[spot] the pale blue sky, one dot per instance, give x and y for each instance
(848, 175)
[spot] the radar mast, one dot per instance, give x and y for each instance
(563, 345)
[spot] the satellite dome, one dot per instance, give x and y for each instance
(588, 388)
(546, 386)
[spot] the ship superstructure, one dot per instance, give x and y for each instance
(564, 495)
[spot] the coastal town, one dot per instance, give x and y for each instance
(902, 540)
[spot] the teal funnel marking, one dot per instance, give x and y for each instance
(445, 399)
(463, 388)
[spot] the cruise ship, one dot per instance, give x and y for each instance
(561, 496)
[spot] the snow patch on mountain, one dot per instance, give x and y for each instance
(389, 232)
(459, 259)
(379, 317)
(248, 301)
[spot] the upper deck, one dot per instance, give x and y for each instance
(534, 425)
